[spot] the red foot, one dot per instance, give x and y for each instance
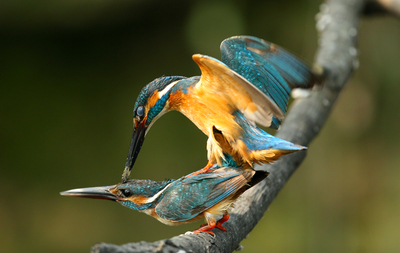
(203, 170)
(224, 218)
(206, 228)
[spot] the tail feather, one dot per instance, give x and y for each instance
(257, 139)
(254, 146)
(259, 176)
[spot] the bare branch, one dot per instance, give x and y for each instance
(337, 24)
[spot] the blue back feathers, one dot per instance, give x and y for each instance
(189, 196)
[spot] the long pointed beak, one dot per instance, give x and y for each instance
(138, 136)
(92, 192)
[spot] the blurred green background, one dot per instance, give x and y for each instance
(70, 72)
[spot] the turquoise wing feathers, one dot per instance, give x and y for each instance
(198, 193)
(273, 70)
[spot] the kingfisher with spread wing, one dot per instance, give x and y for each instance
(251, 84)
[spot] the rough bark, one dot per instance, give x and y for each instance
(337, 24)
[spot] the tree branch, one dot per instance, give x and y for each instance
(337, 24)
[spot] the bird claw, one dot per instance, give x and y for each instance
(205, 229)
(224, 218)
(218, 225)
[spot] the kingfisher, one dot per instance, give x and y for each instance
(206, 195)
(250, 85)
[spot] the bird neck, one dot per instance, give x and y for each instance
(180, 92)
(184, 101)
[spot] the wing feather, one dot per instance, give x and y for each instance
(270, 68)
(189, 197)
(219, 80)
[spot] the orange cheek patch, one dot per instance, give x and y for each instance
(137, 199)
(152, 100)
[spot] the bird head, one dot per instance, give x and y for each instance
(150, 105)
(135, 194)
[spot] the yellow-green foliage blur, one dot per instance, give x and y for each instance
(70, 72)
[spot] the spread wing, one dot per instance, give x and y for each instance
(271, 69)
(227, 86)
(193, 195)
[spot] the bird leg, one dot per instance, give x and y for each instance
(203, 170)
(206, 229)
(224, 218)
(212, 224)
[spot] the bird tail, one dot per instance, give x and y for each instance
(259, 176)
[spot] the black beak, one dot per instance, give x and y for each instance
(134, 148)
(92, 192)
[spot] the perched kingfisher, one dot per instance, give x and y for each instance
(251, 84)
(206, 195)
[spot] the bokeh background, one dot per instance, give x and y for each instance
(70, 72)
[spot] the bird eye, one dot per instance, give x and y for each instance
(140, 111)
(126, 193)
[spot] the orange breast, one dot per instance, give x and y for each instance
(206, 110)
